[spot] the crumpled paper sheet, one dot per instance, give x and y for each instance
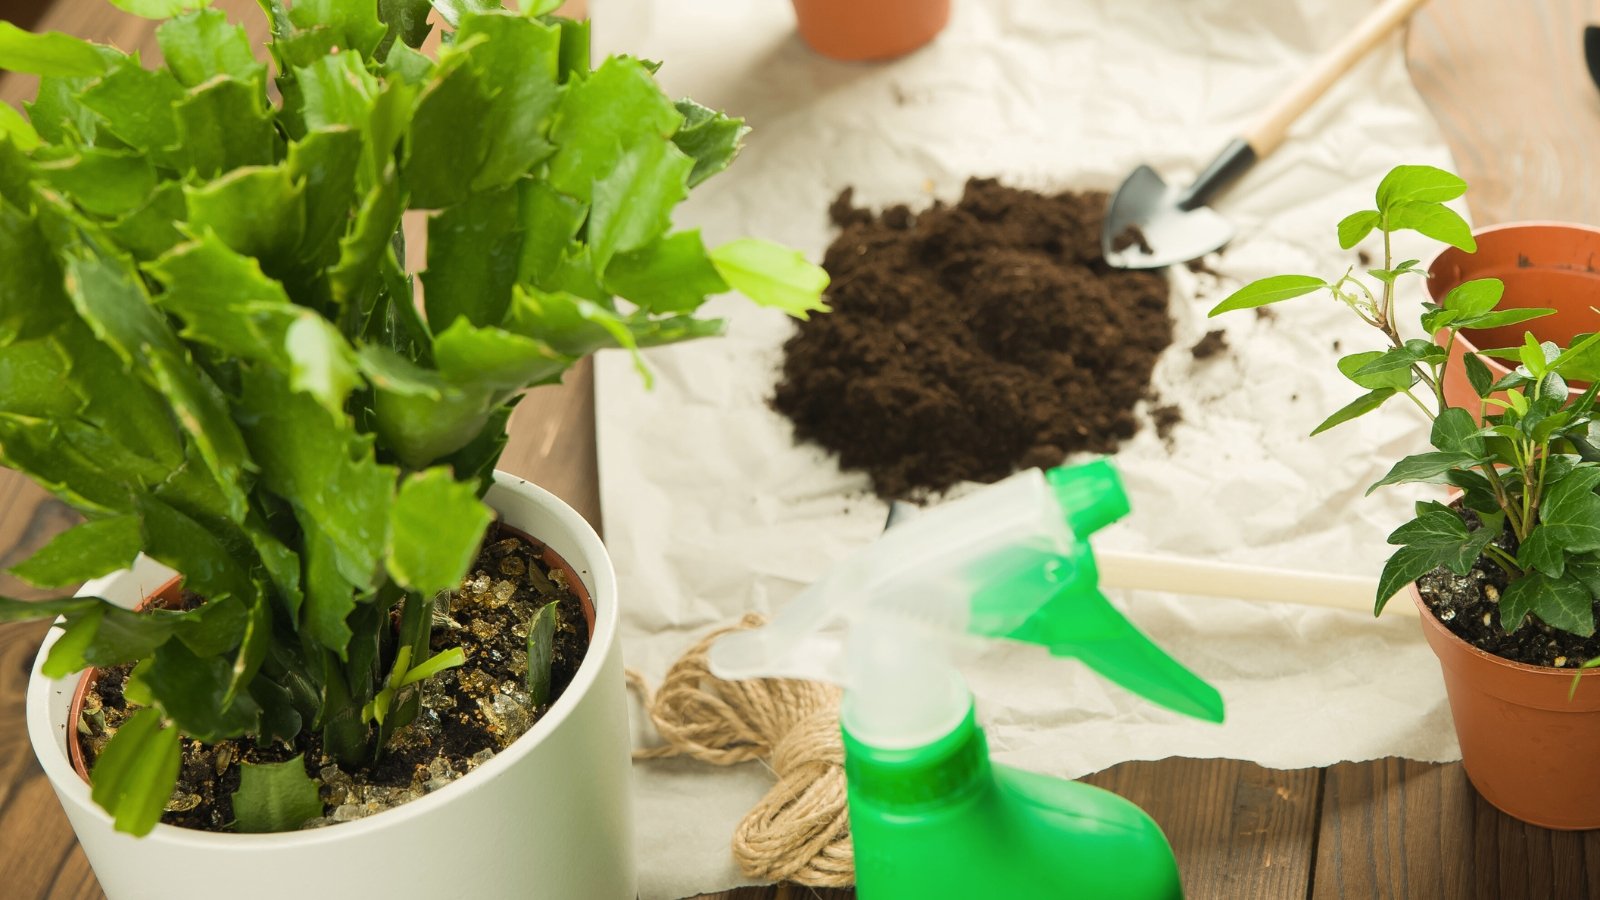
(711, 510)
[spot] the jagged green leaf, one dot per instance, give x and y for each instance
(275, 797)
(435, 526)
(672, 275)
(200, 45)
(616, 108)
(87, 551)
(772, 275)
(50, 53)
(134, 775)
(520, 57)
(473, 250)
(708, 137)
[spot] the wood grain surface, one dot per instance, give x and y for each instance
(1507, 84)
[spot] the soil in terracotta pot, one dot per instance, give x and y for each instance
(968, 341)
(468, 713)
(1468, 605)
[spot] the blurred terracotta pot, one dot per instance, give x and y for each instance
(870, 29)
(1527, 738)
(1543, 264)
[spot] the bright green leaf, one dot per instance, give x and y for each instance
(134, 775)
(51, 53)
(1268, 290)
(772, 275)
(435, 527)
(1418, 183)
(541, 652)
(87, 551)
(709, 137)
(1435, 221)
(1354, 227)
(275, 797)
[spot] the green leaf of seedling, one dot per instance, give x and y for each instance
(1569, 521)
(1425, 467)
(709, 137)
(673, 275)
(1433, 220)
(191, 688)
(633, 202)
(257, 211)
(155, 9)
(1562, 603)
(1475, 297)
(13, 610)
(355, 21)
(1580, 361)
(1536, 356)
(1478, 374)
(51, 53)
(1397, 378)
(1356, 408)
(321, 362)
(435, 527)
(473, 250)
(1503, 317)
(134, 776)
(275, 797)
(203, 44)
(433, 665)
(1268, 290)
(137, 106)
(772, 275)
(616, 108)
(448, 139)
(225, 124)
(1456, 431)
(1405, 566)
(87, 551)
(520, 56)
(541, 652)
(1418, 183)
(1354, 227)
(1388, 363)
(17, 129)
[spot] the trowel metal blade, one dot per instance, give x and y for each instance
(1166, 233)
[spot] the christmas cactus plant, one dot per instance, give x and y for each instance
(1523, 452)
(210, 345)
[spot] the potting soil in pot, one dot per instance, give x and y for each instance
(970, 340)
(468, 713)
(1469, 605)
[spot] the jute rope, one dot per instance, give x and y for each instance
(800, 831)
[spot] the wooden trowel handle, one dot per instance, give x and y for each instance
(1267, 133)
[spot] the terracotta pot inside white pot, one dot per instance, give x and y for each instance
(548, 817)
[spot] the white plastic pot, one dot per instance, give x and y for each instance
(549, 817)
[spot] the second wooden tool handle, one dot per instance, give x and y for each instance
(1268, 131)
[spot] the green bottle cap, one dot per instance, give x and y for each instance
(909, 779)
(1091, 495)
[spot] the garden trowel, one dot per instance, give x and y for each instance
(1151, 224)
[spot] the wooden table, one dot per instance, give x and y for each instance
(1507, 84)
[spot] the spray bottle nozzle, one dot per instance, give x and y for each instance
(1008, 561)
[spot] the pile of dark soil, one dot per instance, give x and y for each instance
(1468, 605)
(968, 341)
(468, 713)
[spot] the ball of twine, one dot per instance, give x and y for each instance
(800, 831)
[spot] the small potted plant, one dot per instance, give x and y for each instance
(1506, 574)
(210, 347)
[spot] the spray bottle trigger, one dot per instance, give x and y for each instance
(1080, 623)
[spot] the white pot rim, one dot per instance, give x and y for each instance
(51, 751)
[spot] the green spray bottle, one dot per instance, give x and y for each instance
(930, 815)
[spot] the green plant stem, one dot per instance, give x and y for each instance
(1504, 500)
(1504, 560)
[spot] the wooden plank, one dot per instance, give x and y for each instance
(1508, 86)
(1397, 829)
(1238, 829)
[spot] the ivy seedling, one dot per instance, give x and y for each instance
(1531, 467)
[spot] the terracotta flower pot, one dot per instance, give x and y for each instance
(1543, 264)
(1527, 748)
(873, 29)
